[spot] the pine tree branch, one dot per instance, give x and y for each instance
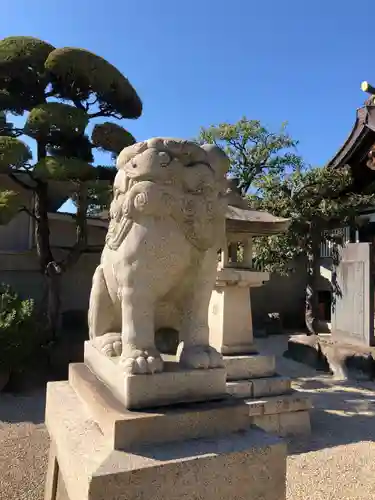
(81, 229)
(19, 182)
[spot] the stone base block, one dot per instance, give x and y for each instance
(257, 387)
(284, 424)
(173, 385)
(249, 366)
(271, 386)
(286, 403)
(126, 429)
(237, 349)
(247, 464)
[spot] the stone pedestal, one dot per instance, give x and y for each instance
(173, 385)
(230, 319)
(101, 451)
(272, 404)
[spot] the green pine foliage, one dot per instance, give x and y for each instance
(59, 91)
(316, 200)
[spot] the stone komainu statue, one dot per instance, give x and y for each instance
(158, 266)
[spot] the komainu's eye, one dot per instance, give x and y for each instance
(164, 159)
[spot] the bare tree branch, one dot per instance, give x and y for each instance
(29, 212)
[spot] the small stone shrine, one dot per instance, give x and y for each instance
(129, 425)
(272, 404)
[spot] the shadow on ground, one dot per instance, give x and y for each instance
(344, 410)
(23, 408)
(343, 413)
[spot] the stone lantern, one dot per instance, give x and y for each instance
(273, 405)
(230, 317)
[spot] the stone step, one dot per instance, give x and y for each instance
(286, 415)
(249, 366)
(295, 423)
(258, 387)
(287, 403)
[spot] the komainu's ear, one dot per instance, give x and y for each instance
(219, 161)
(130, 152)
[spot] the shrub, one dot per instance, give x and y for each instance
(17, 329)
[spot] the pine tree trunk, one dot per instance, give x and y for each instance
(311, 304)
(48, 266)
(54, 275)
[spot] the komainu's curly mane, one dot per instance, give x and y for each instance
(166, 177)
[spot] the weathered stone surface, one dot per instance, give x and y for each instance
(306, 349)
(246, 464)
(174, 385)
(240, 388)
(294, 423)
(269, 423)
(247, 367)
(284, 424)
(158, 266)
(278, 404)
(126, 429)
(258, 387)
(323, 353)
(271, 386)
(230, 318)
(353, 314)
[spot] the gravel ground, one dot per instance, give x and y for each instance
(336, 463)
(23, 446)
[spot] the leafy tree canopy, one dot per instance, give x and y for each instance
(63, 169)
(59, 90)
(316, 200)
(14, 154)
(76, 74)
(253, 150)
(110, 137)
(31, 73)
(275, 179)
(9, 205)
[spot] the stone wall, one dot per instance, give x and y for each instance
(20, 270)
(281, 294)
(286, 295)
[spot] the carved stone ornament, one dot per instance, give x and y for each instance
(159, 263)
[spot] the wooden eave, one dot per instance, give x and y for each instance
(354, 151)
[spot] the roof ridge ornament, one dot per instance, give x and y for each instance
(369, 89)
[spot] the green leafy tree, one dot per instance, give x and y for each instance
(253, 150)
(18, 329)
(60, 91)
(316, 200)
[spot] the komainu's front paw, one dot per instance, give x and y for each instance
(109, 344)
(141, 361)
(199, 357)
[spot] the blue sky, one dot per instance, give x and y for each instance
(196, 63)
